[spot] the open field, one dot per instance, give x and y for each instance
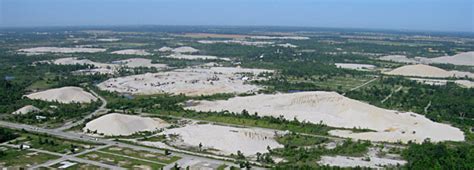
(151, 156)
(15, 158)
(121, 160)
(115, 124)
(338, 111)
(64, 95)
(190, 81)
(52, 144)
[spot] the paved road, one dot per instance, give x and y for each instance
(80, 137)
(64, 157)
(100, 110)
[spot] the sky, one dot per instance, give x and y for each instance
(419, 15)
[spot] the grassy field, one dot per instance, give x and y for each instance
(338, 83)
(52, 144)
(122, 161)
(22, 158)
(151, 156)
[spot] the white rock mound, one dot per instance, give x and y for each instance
(466, 58)
(67, 94)
(115, 124)
(26, 109)
(338, 111)
(185, 49)
(420, 70)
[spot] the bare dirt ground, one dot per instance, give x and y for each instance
(226, 140)
(26, 109)
(190, 81)
(106, 68)
(371, 160)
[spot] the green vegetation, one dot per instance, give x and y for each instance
(449, 103)
(294, 140)
(310, 66)
(7, 134)
(52, 144)
(10, 157)
(151, 156)
(439, 156)
(122, 161)
(306, 157)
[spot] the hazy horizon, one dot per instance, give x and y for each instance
(416, 15)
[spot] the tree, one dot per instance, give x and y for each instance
(167, 152)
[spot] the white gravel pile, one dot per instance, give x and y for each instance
(185, 50)
(42, 50)
(131, 52)
(165, 49)
(26, 109)
(115, 124)
(338, 111)
(227, 140)
(420, 70)
(190, 81)
(465, 58)
(67, 94)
